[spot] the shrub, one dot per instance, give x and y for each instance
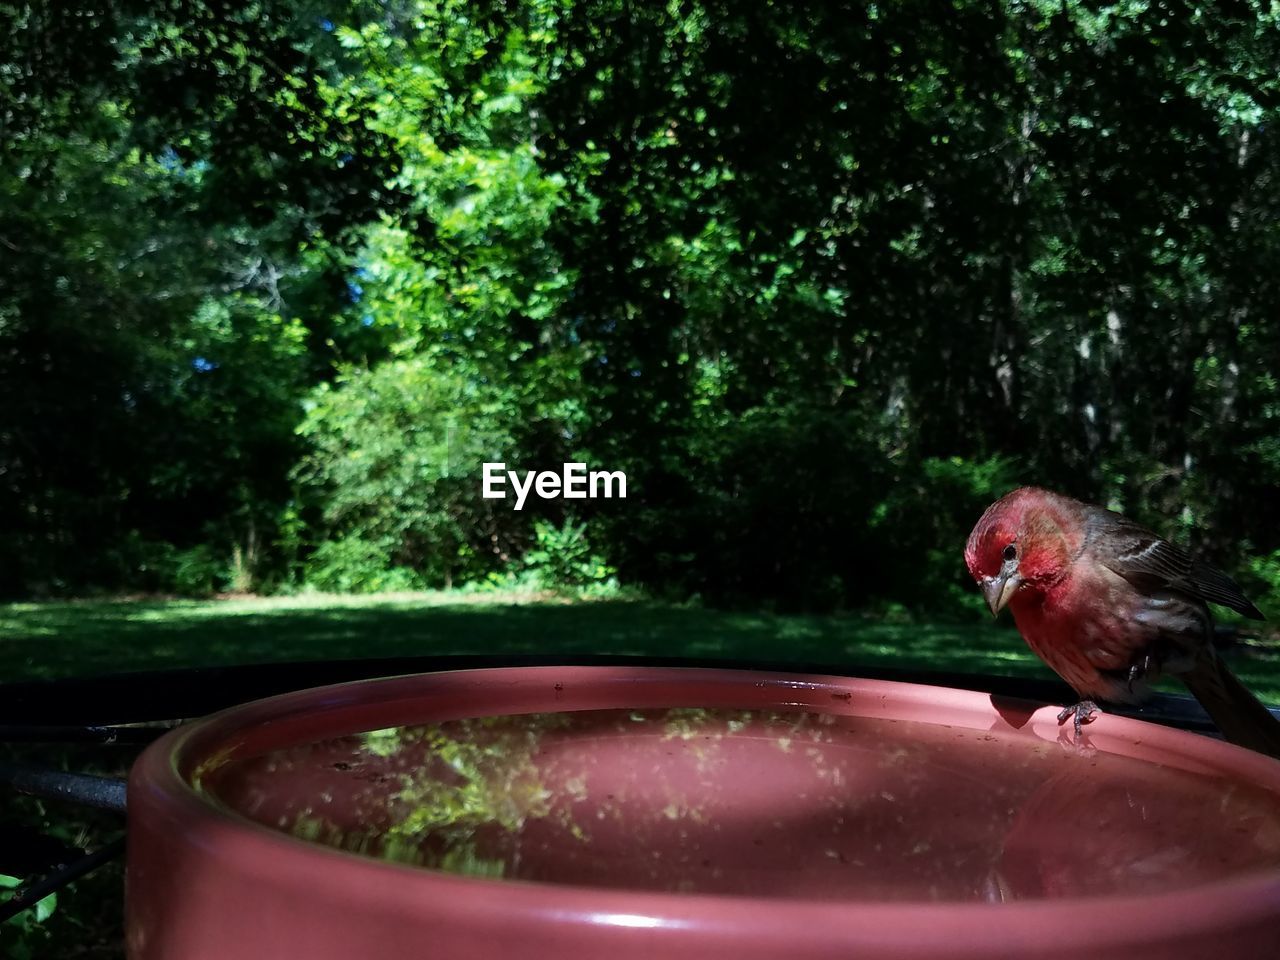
(355, 565)
(562, 557)
(396, 454)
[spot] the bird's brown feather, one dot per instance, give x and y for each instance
(1150, 562)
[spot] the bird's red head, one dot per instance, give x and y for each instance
(1024, 541)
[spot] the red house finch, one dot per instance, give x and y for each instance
(1109, 605)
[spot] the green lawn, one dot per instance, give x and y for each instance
(81, 638)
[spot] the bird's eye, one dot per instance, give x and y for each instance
(1010, 553)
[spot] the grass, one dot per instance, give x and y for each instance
(48, 640)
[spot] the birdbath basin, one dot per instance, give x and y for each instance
(635, 812)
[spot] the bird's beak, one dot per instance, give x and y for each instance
(999, 589)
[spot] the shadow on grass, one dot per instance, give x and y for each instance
(66, 639)
(39, 641)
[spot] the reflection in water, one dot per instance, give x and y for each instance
(766, 804)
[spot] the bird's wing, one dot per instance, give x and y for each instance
(1148, 561)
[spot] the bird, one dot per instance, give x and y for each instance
(1111, 607)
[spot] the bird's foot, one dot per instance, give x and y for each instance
(1082, 712)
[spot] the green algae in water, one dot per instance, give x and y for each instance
(778, 804)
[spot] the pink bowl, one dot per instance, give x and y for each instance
(904, 821)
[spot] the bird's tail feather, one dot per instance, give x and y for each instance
(1240, 716)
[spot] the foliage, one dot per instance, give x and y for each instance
(395, 453)
(821, 278)
(159, 170)
(353, 565)
(25, 931)
(561, 557)
(1262, 580)
(917, 527)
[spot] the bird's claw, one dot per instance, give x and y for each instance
(1083, 712)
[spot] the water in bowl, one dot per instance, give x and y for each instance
(765, 804)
